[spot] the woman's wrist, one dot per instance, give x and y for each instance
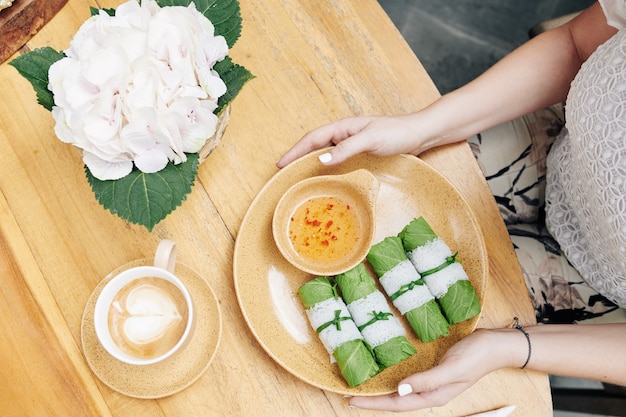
(510, 348)
(442, 123)
(426, 131)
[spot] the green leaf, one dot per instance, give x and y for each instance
(94, 11)
(316, 291)
(34, 67)
(460, 302)
(355, 283)
(417, 233)
(427, 321)
(386, 254)
(393, 351)
(146, 199)
(224, 14)
(356, 362)
(235, 77)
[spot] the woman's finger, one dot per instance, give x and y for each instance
(333, 133)
(412, 401)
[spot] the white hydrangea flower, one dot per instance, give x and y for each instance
(138, 88)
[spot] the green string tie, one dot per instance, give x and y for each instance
(376, 316)
(406, 288)
(449, 261)
(334, 322)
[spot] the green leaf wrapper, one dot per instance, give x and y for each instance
(427, 321)
(394, 351)
(415, 234)
(385, 255)
(356, 284)
(355, 362)
(460, 303)
(354, 358)
(316, 291)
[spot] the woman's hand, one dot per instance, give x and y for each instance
(556, 350)
(376, 135)
(465, 363)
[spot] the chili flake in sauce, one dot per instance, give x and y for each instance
(324, 229)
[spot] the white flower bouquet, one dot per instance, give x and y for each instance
(142, 91)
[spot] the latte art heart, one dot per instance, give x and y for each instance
(148, 317)
(150, 311)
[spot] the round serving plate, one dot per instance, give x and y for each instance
(267, 285)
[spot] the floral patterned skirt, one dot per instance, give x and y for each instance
(512, 157)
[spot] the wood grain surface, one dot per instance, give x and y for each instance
(22, 20)
(314, 61)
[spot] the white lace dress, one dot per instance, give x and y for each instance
(586, 174)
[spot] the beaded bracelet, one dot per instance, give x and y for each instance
(519, 327)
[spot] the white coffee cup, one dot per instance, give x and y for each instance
(147, 316)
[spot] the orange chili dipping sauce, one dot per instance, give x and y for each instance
(324, 229)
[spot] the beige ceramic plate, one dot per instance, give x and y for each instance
(174, 374)
(266, 284)
(358, 189)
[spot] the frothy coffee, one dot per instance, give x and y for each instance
(147, 317)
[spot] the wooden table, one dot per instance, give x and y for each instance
(315, 61)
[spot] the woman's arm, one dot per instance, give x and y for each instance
(585, 351)
(535, 75)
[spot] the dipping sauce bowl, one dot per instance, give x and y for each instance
(324, 225)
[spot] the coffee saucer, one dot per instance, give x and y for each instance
(174, 374)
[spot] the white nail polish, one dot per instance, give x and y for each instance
(404, 389)
(325, 157)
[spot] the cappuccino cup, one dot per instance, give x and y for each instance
(145, 314)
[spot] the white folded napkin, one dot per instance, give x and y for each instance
(500, 412)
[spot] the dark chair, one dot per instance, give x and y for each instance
(609, 401)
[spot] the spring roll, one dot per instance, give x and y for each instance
(331, 319)
(442, 272)
(373, 317)
(406, 289)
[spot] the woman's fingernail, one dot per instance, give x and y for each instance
(404, 389)
(325, 157)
